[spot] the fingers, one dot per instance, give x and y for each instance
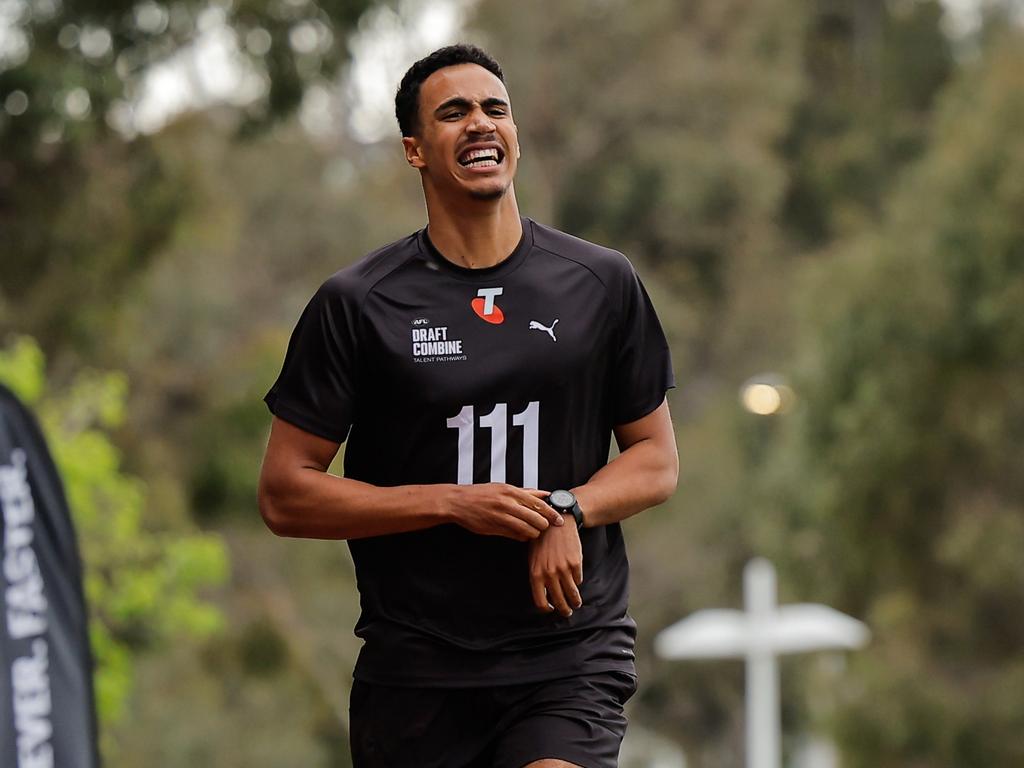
(531, 499)
(553, 516)
(505, 510)
(556, 571)
(557, 598)
(569, 589)
(540, 597)
(555, 591)
(522, 530)
(533, 518)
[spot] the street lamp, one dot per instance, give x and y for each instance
(760, 633)
(766, 394)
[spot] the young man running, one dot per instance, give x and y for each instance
(478, 369)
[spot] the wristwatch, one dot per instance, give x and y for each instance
(565, 502)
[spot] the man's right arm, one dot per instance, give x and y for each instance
(297, 497)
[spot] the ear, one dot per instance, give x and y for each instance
(413, 152)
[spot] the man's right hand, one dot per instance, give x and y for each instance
(498, 509)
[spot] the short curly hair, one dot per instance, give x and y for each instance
(407, 100)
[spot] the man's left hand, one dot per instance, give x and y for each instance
(556, 569)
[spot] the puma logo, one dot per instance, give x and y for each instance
(535, 326)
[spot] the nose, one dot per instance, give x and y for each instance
(481, 122)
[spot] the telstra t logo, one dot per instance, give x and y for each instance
(485, 307)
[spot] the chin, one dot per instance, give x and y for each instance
(489, 193)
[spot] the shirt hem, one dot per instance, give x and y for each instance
(484, 681)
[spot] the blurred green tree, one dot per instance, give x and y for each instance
(872, 70)
(899, 474)
(72, 61)
(142, 583)
(82, 209)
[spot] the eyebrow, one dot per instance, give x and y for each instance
(465, 103)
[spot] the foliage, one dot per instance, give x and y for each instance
(900, 468)
(873, 70)
(83, 211)
(74, 60)
(819, 189)
(142, 582)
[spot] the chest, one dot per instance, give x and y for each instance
(438, 341)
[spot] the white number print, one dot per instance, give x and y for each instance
(497, 422)
(463, 421)
(529, 420)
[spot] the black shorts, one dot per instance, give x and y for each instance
(577, 719)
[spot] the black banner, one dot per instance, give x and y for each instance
(47, 712)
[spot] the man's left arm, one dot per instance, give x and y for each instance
(643, 475)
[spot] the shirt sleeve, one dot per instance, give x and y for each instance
(316, 390)
(642, 362)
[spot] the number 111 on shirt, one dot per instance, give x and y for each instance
(497, 421)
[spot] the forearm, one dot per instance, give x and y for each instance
(642, 476)
(297, 497)
(313, 504)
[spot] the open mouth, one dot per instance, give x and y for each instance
(481, 158)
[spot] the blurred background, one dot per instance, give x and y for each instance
(825, 199)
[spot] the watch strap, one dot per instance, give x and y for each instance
(577, 514)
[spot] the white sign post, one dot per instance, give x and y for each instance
(760, 633)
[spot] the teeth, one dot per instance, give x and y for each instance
(475, 156)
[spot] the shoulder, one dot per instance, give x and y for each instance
(609, 266)
(355, 281)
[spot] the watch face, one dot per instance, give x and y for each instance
(561, 499)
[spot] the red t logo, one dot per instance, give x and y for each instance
(485, 307)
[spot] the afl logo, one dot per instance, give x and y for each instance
(485, 307)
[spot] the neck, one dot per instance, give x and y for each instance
(478, 235)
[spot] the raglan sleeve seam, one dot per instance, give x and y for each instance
(604, 286)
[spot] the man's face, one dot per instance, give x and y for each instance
(467, 139)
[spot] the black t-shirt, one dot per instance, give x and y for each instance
(513, 373)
